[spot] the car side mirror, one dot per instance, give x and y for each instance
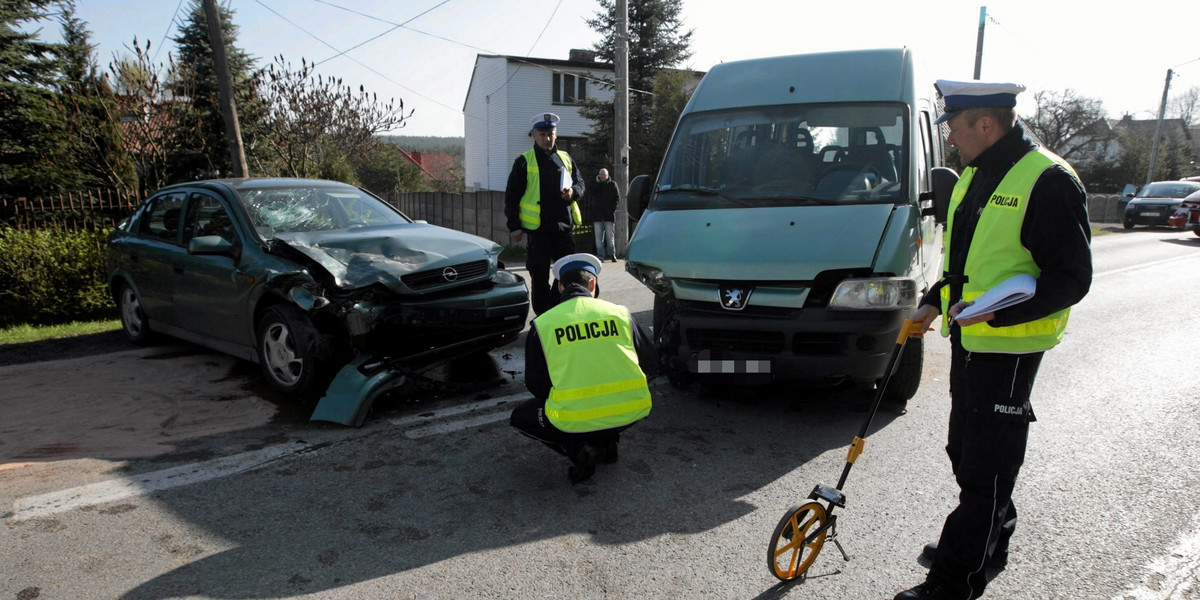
(943, 180)
(638, 196)
(212, 245)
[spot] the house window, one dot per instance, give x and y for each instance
(568, 89)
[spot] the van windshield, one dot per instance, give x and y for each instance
(786, 155)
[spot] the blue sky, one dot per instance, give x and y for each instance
(1118, 55)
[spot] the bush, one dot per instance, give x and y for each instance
(49, 277)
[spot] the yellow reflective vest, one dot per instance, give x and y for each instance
(596, 382)
(530, 208)
(996, 253)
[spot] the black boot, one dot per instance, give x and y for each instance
(584, 463)
(929, 590)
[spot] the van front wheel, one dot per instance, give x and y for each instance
(907, 377)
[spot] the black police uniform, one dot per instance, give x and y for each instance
(987, 446)
(552, 239)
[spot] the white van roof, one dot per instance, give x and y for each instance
(882, 75)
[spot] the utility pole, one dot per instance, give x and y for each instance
(1162, 109)
(621, 126)
(979, 42)
(233, 131)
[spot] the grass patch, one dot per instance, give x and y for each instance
(20, 334)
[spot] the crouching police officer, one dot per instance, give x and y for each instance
(586, 364)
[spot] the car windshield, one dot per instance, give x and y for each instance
(1168, 189)
(309, 208)
(786, 155)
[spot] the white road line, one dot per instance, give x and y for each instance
(429, 423)
(440, 428)
(116, 489)
(457, 410)
(1173, 575)
(1142, 266)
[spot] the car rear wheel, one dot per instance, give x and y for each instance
(133, 319)
(288, 345)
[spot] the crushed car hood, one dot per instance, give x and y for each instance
(360, 257)
(766, 244)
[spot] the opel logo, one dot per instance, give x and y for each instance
(449, 274)
(734, 298)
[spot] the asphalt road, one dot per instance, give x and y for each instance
(169, 473)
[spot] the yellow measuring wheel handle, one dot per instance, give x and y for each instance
(856, 449)
(910, 329)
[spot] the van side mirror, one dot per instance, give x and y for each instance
(638, 196)
(943, 180)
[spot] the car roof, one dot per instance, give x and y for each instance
(261, 182)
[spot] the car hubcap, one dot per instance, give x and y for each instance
(280, 354)
(131, 312)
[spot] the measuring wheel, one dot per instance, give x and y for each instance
(790, 553)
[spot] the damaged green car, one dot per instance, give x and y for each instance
(330, 290)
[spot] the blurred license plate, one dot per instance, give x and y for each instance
(1150, 214)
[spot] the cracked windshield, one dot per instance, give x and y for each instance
(787, 155)
(301, 209)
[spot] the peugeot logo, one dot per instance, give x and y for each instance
(734, 298)
(449, 274)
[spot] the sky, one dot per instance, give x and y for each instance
(422, 52)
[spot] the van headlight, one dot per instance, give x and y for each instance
(881, 293)
(651, 277)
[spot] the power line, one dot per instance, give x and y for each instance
(356, 61)
(397, 26)
(477, 48)
(169, 24)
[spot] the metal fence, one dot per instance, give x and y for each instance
(78, 211)
(478, 213)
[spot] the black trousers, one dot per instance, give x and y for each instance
(989, 428)
(529, 418)
(545, 248)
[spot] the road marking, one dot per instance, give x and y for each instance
(124, 487)
(1172, 576)
(1141, 266)
(429, 423)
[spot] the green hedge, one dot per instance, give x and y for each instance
(49, 277)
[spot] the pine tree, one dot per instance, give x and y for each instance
(657, 43)
(97, 157)
(30, 127)
(195, 59)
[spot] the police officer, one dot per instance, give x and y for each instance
(541, 198)
(1017, 208)
(586, 364)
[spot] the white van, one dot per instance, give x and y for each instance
(793, 225)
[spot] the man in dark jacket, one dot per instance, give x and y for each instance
(541, 198)
(586, 363)
(1018, 209)
(604, 208)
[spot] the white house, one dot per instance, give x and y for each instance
(506, 91)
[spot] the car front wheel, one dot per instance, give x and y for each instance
(133, 317)
(1128, 223)
(288, 345)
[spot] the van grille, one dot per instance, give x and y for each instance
(737, 340)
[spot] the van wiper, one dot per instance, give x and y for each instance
(703, 191)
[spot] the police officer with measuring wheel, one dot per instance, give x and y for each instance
(1017, 209)
(541, 198)
(586, 364)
